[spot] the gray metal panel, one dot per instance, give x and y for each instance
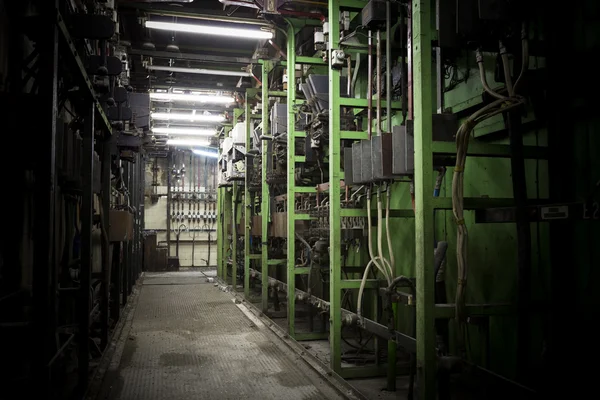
(357, 162)
(279, 119)
(367, 165)
(376, 157)
(348, 167)
(381, 157)
(403, 159)
(139, 103)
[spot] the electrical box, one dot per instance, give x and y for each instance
(444, 128)
(348, 167)
(366, 174)
(120, 226)
(236, 170)
(381, 157)
(357, 162)
(338, 59)
(279, 119)
(403, 161)
(373, 15)
(238, 133)
(227, 145)
(139, 103)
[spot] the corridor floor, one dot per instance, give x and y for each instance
(188, 340)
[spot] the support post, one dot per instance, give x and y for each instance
(127, 246)
(291, 181)
(85, 273)
(265, 195)
(106, 259)
(234, 210)
(44, 261)
(335, 175)
(424, 235)
(247, 203)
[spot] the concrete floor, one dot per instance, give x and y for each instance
(189, 340)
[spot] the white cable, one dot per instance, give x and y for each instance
(363, 283)
(507, 77)
(387, 230)
(380, 236)
(370, 239)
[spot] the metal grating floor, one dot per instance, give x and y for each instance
(190, 341)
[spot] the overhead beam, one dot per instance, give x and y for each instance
(192, 56)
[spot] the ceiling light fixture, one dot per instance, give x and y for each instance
(192, 97)
(210, 30)
(187, 142)
(197, 70)
(187, 117)
(206, 153)
(184, 131)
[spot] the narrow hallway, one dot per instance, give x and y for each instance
(190, 340)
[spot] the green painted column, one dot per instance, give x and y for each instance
(424, 235)
(247, 203)
(291, 181)
(335, 175)
(265, 195)
(226, 227)
(220, 230)
(234, 217)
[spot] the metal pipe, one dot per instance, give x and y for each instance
(402, 66)
(370, 86)
(378, 66)
(355, 75)
(439, 67)
(388, 65)
(349, 80)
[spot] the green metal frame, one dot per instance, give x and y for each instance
(248, 197)
(292, 189)
(265, 211)
(424, 215)
(335, 177)
(425, 204)
(291, 182)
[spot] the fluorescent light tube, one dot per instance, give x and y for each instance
(239, 33)
(184, 131)
(200, 98)
(197, 70)
(188, 117)
(187, 142)
(205, 153)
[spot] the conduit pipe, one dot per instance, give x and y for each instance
(388, 70)
(370, 86)
(378, 66)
